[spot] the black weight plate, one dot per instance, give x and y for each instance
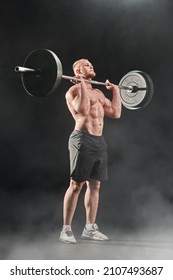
(51, 73)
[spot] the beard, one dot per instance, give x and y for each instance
(91, 75)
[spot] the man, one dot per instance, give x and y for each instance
(88, 149)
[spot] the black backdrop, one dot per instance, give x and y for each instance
(116, 36)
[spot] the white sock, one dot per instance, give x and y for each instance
(66, 228)
(89, 226)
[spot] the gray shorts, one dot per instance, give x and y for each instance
(88, 156)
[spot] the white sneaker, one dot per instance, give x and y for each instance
(94, 234)
(67, 237)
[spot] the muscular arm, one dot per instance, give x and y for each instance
(77, 97)
(113, 108)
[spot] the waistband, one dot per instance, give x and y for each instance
(81, 132)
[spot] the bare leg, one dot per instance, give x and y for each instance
(91, 200)
(70, 201)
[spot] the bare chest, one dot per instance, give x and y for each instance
(96, 99)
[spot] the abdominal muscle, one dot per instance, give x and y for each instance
(93, 122)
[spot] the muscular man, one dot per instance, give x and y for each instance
(87, 148)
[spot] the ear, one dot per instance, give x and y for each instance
(78, 71)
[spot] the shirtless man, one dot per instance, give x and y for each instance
(87, 148)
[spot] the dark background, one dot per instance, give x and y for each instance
(116, 36)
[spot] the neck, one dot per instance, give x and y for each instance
(89, 86)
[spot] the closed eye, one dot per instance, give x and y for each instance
(89, 65)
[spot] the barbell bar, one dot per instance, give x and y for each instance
(42, 72)
(37, 72)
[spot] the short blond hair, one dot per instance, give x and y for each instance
(78, 63)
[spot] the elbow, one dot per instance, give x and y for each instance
(82, 111)
(117, 112)
(117, 115)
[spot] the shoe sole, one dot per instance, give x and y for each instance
(90, 238)
(66, 241)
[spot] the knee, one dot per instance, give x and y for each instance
(95, 185)
(76, 186)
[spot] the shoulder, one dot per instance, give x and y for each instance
(106, 101)
(98, 91)
(72, 92)
(101, 95)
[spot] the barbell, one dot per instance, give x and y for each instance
(42, 72)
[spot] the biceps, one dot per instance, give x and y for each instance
(108, 110)
(108, 106)
(76, 103)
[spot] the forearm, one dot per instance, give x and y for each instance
(116, 103)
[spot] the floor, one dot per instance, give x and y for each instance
(148, 245)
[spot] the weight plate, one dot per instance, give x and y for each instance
(50, 75)
(149, 91)
(140, 98)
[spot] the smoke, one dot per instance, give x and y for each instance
(141, 245)
(140, 167)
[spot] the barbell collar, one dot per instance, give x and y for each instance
(24, 69)
(20, 69)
